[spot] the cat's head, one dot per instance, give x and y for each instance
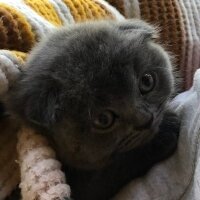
(100, 88)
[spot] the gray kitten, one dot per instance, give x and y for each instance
(99, 91)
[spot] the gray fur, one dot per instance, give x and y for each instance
(82, 70)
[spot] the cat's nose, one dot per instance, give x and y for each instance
(143, 121)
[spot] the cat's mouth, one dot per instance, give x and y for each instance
(134, 140)
(139, 136)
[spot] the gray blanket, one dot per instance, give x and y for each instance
(177, 178)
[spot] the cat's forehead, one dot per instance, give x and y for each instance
(112, 51)
(104, 57)
(115, 62)
(105, 44)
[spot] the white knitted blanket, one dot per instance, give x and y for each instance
(177, 178)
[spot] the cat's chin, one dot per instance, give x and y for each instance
(86, 165)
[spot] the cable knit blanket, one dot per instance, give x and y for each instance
(25, 22)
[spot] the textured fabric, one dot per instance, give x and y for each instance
(166, 15)
(41, 175)
(129, 8)
(178, 177)
(24, 22)
(179, 24)
(191, 16)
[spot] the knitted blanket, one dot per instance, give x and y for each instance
(25, 22)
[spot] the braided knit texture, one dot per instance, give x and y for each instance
(41, 175)
(179, 24)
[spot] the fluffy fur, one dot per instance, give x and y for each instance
(81, 71)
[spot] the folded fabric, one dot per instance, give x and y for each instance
(177, 178)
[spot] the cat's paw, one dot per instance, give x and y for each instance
(9, 72)
(165, 143)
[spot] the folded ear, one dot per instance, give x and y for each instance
(37, 102)
(135, 27)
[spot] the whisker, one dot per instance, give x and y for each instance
(127, 142)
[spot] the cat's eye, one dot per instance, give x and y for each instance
(147, 83)
(104, 120)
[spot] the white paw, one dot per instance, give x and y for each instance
(9, 72)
